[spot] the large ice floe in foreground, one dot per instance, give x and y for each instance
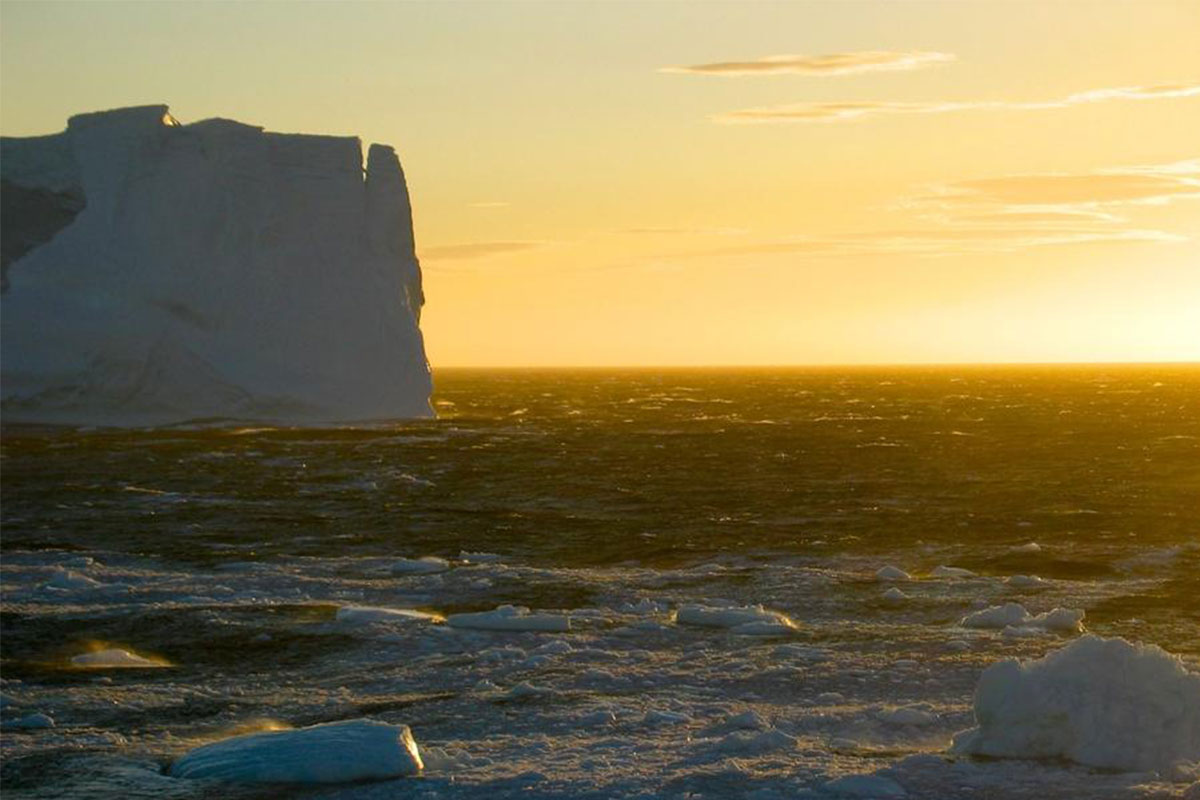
(155, 272)
(1103, 703)
(337, 752)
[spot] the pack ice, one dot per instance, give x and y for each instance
(155, 272)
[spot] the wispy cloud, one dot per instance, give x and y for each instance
(830, 64)
(844, 111)
(474, 250)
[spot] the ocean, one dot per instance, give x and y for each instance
(615, 498)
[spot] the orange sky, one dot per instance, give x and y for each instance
(621, 184)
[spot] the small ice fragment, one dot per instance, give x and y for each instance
(336, 752)
(115, 658)
(906, 715)
(66, 580)
(767, 741)
(731, 617)
(1104, 703)
(831, 698)
(952, 572)
(510, 618)
(958, 645)
(996, 616)
(894, 595)
(479, 558)
(1028, 547)
(79, 562)
(556, 647)
(1027, 581)
(31, 722)
(360, 615)
(597, 719)
(890, 573)
(1067, 620)
(764, 629)
(425, 565)
(748, 720)
(665, 718)
(869, 786)
(527, 691)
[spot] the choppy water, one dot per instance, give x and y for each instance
(616, 496)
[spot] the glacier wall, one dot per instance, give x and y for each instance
(155, 273)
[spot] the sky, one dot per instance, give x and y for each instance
(744, 183)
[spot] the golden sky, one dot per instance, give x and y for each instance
(717, 183)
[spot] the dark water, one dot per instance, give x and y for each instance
(659, 467)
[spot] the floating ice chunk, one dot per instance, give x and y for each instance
(665, 718)
(831, 698)
(890, 573)
(1028, 547)
(894, 595)
(510, 618)
(803, 652)
(870, 786)
(1104, 703)
(764, 629)
(643, 606)
(906, 715)
(116, 658)
(31, 722)
(79, 562)
(67, 581)
(337, 752)
(952, 572)
(958, 645)
(360, 615)
(1027, 582)
(557, 647)
(597, 719)
(527, 691)
(996, 616)
(479, 558)
(425, 565)
(768, 741)
(736, 617)
(748, 721)
(1014, 615)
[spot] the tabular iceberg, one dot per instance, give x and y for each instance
(156, 272)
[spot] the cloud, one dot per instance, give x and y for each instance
(842, 111)
(1068, 193)
(473, 250)
(831, 64)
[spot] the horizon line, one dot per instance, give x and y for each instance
(823, 365)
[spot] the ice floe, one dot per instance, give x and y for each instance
(116, 658)
(30, 722)
(510, 618)
(951, 572)
(1027, 582)
(358, 615)
(425, 565)
(336, 752)
(1015, 615)
(1103, 703)
(746, 620)
(894, 595)
(891, 573)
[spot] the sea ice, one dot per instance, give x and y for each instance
(356, 615)
(749, 620)
(425, 565)
(894, 595)
(906, 715)
(31, 722)
(1028, 547)
(66, 580)
(115, 658)
(1015, 615)
(1104, 703)
(875, 787)
(510, 618)
(891, 573)
(952, 572)
(1026, 582)
(336, 752)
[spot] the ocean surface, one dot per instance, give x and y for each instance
(615, 498)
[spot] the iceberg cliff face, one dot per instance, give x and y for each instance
(155, 273)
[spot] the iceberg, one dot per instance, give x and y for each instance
(336, 752)
(155, 273)
(1103, 703)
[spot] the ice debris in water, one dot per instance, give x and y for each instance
(890, 573)
(479, 558)
(744, 620)
(1015, 615)
(1027, 582)
(358, 615)
(31, 722)
(952, 572)
(1028, 547)
(426, 565)
(894, 595)
(115, 658)
(66, 580)
(1103, 703)
(871, 786)
(336, 752)
(510, 618)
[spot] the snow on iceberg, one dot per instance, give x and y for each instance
(510, 618)
(1015, 615)
(1104, 703)
(336, 752)
(155, 272)
(744, 620)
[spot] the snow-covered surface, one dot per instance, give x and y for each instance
(338, 752)
(1015, 615)
(216, 270)
(1099, 702)
(510, 618)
